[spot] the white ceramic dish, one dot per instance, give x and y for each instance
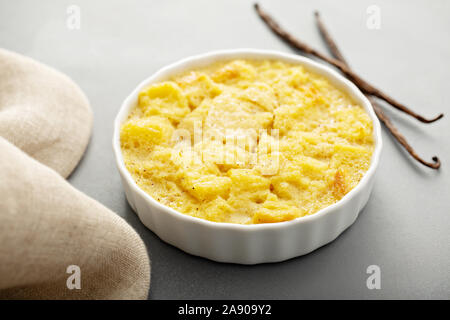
(247, 244)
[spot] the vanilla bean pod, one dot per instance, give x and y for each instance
(359, 82)
(332, 46)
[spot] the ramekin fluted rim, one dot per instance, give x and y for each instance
(223, 55)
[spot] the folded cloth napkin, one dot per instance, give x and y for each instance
(43, 112)
(56, 242)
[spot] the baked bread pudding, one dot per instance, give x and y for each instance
(247, 141)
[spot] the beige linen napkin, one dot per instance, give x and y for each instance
(43, 112)
(47, 227)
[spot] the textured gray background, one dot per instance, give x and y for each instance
(405, 226)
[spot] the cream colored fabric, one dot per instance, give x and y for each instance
(46, 225)
(43, 112)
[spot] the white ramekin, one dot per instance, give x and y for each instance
(247, 244)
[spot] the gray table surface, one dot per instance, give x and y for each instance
(404, 229)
